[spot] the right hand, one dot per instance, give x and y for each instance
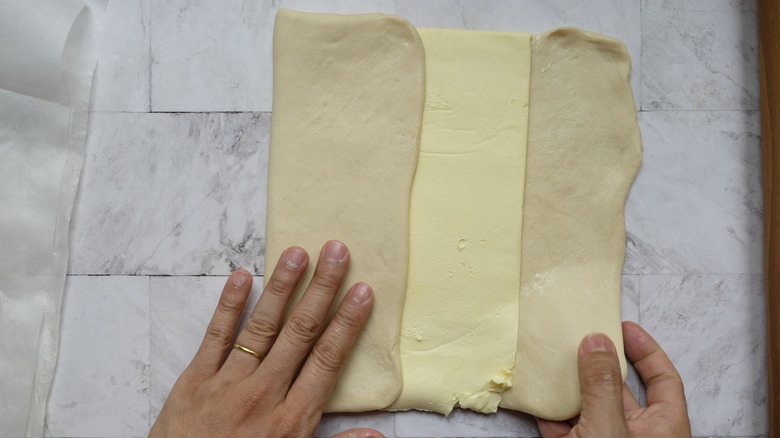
(609, 410)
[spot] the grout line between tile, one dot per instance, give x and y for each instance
(157, 275)
(210, 112)
(148, 6)
(151, 369)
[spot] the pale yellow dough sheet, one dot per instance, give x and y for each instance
(487, 320)
(348, 97)
(584, 150)
(459, 329)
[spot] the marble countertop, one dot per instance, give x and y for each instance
(172, 198)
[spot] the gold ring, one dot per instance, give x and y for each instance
(246, 350)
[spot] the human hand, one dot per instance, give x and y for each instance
(609, 410)
(228, 392)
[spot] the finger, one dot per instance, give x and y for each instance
(629, 401)
(601, 384)
(305, 323)
(318, 374)
(553, 429)
(662, 380)
(359, 433)
(219, 334)
(266, 319)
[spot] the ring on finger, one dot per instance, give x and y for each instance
(238, 346)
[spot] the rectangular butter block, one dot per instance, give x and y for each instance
(459, 326)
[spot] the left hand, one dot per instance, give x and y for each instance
(227, 392)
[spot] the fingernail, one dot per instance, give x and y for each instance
(335, 251)
(365, 434)
(597, 343)
(361, 293)
(239, 278)
(294, 258)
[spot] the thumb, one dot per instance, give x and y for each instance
(601, 384)
(359, 433)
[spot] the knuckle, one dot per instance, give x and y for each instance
(293, 426)
(261, 329)
(280, 287)
(303, 328)
(230, 305)
(219, 334)
(603, 373)
(328, 357)
(327, 279)
(349, 319)
(675, 379)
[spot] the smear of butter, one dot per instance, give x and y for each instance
(460, 317)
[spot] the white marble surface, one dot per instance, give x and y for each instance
(172, 194)
(102, 382)
(712, 327)
(173, 197)
(708, 66)
(695, 206)
(121, 81)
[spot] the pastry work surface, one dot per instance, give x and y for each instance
(173, 197)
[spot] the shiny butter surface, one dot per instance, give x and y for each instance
(460, 318)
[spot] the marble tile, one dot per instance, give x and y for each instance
(216, 56)
(101, 384)
(629, 303)
(696, 205)
(712, 327)
(465, 423)
(617, 18)
(201, 60)
(630, 312)
(181, 308)
(121, 81)
(332, 424)
(699, 55)
(172, 194)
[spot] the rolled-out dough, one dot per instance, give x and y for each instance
(584, 150)
(459, 328)
(347, 103)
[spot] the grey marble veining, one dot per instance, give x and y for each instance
(712, 327)
(696, 205)
(101, 385)
(629, 298)
(699, 55)
(199, 60)
(216, 56)
(174, 194)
